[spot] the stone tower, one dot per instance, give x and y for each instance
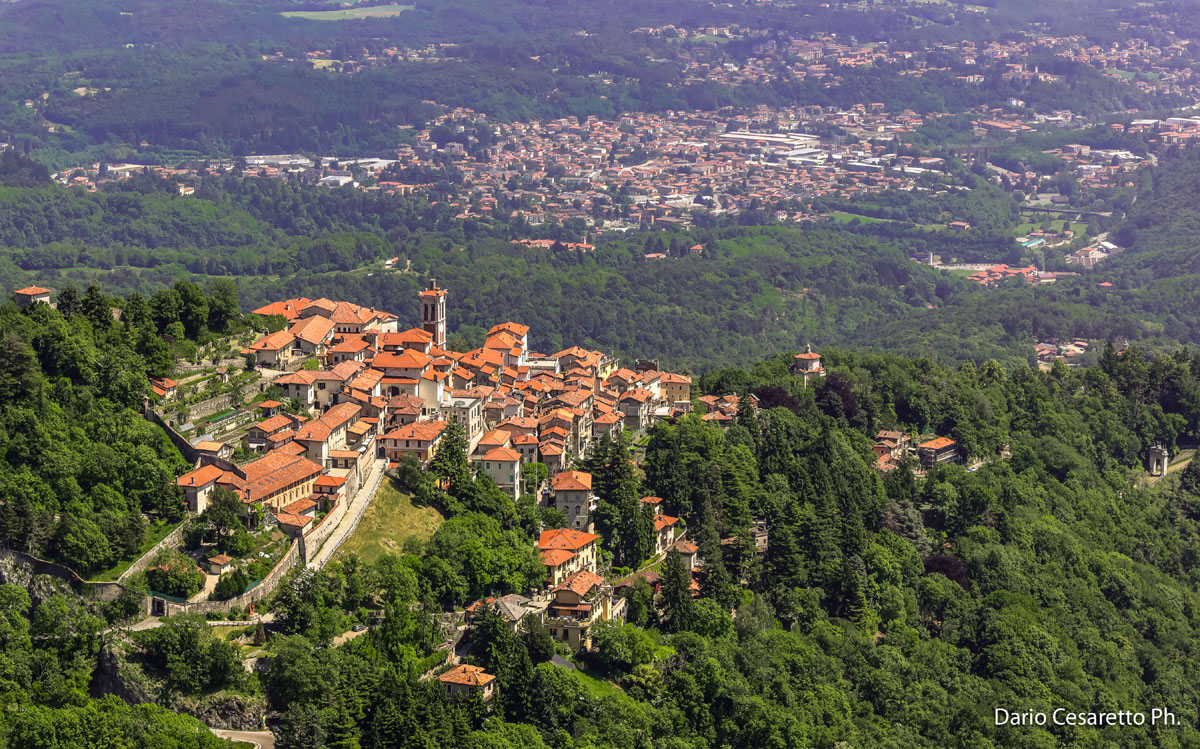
(433, 313)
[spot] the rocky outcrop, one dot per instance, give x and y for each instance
(230, 711)
(115, 675)
(40, 587)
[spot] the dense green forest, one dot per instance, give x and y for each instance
(81, 470)
(82, 476)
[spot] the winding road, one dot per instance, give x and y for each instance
(262, 739)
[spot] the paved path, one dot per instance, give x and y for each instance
(154, 621)
(347, 636)
(354, 512)
(264, 739)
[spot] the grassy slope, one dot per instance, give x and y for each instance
(388, 523)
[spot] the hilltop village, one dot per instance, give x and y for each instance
(381, 394)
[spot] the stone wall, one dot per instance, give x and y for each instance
(310, 542)
(99, 591)
(171, 540)
(185, 448)
(264, 588)
(209, 406)
(215, 404)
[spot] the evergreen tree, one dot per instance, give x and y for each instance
(451, 464)
(676, 598)
(68, 301)
(536, 639)
(1189, 478)
(624, 522)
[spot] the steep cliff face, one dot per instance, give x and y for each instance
(115, 675)
(232, 711)
(40, 587)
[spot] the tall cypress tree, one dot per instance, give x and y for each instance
(677, 605)
(450, 462)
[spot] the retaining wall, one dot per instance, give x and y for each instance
(99, 591)
(171, 540)
(311, 541)
(260, 591)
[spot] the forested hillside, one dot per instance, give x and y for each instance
(81, 470)
(884, 612)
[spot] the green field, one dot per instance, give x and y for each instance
(348, 14)
(844, 217)
(960, 272)
(1022, 229)
(388, 523)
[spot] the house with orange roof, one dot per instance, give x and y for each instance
(352, 348)
(313, 335)
(675, 388)
(32, 295)
(518, 331)
(503, 464)
(465, 681)
(938, 450)
(197, 485)
(634, 405)
(328, 432)
(664, 525)
(420, 438)
(579, 601)
(807, 365)
(492, 439)
(278, 350)
(288, 309)
(413, 338)
(573, 496)
(272, 432)
(277, 479)
(300, 385)
(565, 551)
(163, 387)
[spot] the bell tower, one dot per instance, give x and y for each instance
(433, 313)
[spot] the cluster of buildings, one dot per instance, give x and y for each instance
(892, 446)
(392, 393)
(994, 274)
(578, 596)
(1069, 352)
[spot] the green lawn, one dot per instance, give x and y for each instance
(388, 523)
(154, 534)
(844, 217)
(598, 688)
(348, 14)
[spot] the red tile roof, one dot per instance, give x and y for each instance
(565, 538)
(467, 675)
(572, 481)
(201, 476)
